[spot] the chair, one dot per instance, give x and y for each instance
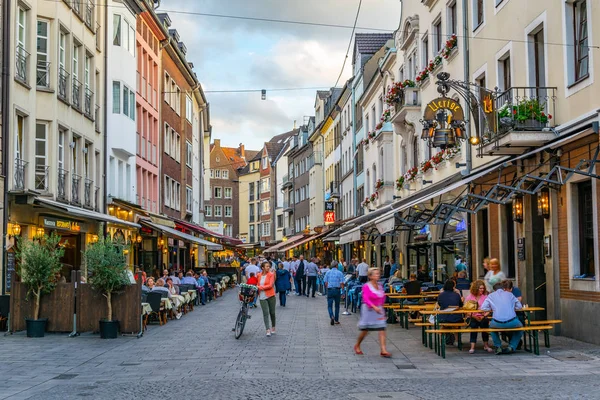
(154, 299)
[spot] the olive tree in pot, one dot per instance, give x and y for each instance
(39, 264)
(105, 263)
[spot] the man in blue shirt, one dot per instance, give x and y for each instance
(334, 283)
(189, 280)
(503, 304)
(312, 270)
(394, 267)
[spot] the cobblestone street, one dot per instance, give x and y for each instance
(198, 357)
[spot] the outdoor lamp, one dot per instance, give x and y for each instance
(161, 242)
(517, 209)
(474, 140)
(39, 232)
(138, 239)
(16, 229)
(94, 238)
(544, 203)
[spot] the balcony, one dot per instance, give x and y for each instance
(89, 14)
(523, 117)
(42, 75)
(21, 60)
(87, 103)
(88, 187)
(97, 198)
(409, 101)
(61, 194)
(287, 182)
(288, 206)
(75, 198)
(318, 156)
(41, 178)
(288, 231)
(63, 85)
(334, 190)
(20, 166)
(76, 100)
(97, 118)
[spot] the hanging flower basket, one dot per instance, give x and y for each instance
(426, 166)
(411, 175)
(395, 93)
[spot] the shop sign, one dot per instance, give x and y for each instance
(180, 243)
(63, 224)
(147, 231)
(329, 206)
(170, 242)
(329, 217)
(521, 249)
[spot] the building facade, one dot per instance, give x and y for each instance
(249, 201)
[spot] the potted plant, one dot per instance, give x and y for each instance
(105, 263)
(39, 265)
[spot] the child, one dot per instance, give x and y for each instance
(252, 280)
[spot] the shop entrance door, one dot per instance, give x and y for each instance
(418, 256)
(538, 259)
(71, 260)
(444, 261)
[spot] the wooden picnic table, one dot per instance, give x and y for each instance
(413, 296)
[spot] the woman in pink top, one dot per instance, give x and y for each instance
(372, 313)
(479, 320)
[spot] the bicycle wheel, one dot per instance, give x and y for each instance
(240, 322)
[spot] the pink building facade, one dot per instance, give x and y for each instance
(148, 37)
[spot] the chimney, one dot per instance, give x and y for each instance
(242, 151)
(294, 124)
(217, 142)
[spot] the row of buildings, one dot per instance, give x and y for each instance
(472, 131)
(105, 128)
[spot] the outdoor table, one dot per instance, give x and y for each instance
(166, 303)
(146, 309)
(403, 297)
(193, 293)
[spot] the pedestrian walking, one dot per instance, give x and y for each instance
(283, 281)
(312, 270)
(266, 295)
(300, 277)
(372, 314)
(334, 283)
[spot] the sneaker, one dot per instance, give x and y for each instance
(268, 333)
(510, 350)
(498, 351)
(178, 316)
(272, 331)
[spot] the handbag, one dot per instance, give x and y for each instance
(432, 317)
(471, 305)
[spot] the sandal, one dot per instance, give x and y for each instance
(357, 350)
(488, 349)
(471, 351)
(386, 355)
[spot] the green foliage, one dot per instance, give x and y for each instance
(39, 263)
(525, 110)
(105, 263)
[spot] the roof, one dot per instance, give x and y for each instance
(323, 94)
(369, 43)
(252, 155)
(278, 142)
(246, 169)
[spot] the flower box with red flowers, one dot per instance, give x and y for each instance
(379, 184)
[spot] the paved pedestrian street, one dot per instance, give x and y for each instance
(198, 357)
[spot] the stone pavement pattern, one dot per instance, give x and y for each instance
(198, 357)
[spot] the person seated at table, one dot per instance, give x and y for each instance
(175, 279)
(208, 287)
(422, 275)
(174, 296)
(462, 283)
(149, 285)
(448, 298)
(189, 279)
(509, 287)
(165, 274)
(503, 304)
(412, 288)
(160, 287)
(396, 278)
(200, 288)
(478, 293)
(180, 275)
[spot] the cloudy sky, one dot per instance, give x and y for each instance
(233, 54)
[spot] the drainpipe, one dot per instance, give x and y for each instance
(5, 119)
(105, 118)
(354, 169)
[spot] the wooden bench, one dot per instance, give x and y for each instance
(441, 350)
(546, 332)
(425, 325)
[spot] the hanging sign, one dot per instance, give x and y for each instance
(329, 206)
(329, 217)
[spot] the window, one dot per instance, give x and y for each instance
(265, 185)
(252, 234)
(212, 173)
(251, 191)
(167, 191)
(537, 68)
(266, 229)
(62, 51)
(425, 53)
(437, 35)
(580, 34)
(208, 211)
(225, 174)
(280, 221)
(452, 19)
(131, 105)
(218, 192)
(228, 211)
(218, 211)
(116, 97)
(477, 13)
(228, 230)
(586, 229)
(266, 207)
(116, 30)
(42, 77)
(228, 192)
(167, 84)
(188, 154)
(217, 173)
(61, 149)
(264, 162)
(126, 100)
(251, 213)
(178, 100)
(41, 151)
(189, 199)
(167, 139)
(504, 72)
(189, 111)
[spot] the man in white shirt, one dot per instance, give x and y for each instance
(363, 271)
(251, 268)
(503, 304)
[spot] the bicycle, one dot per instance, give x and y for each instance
(246, 296)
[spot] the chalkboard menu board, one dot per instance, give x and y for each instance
(10, 268)
(521, 249)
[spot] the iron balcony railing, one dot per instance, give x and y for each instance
(334, 189)
(523, 109)
(98, 47)
(288, 231)
(75, 198)
(97, 118)
(63, 85)
(21, 59)
(77, 7)
(20, 166)
(61, 194)
(97, 198)
(89, 14)
(76, 100)
(408, 97)
(41, 177)
(88, 187)
(87, 103)
(42, 77)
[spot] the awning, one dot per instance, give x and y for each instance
(286, 243)
(352, 235)
(82, 212)
(165, 229)
(301, 242)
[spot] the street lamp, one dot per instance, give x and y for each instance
(517, 209)
(16, 229)
(544, 203)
